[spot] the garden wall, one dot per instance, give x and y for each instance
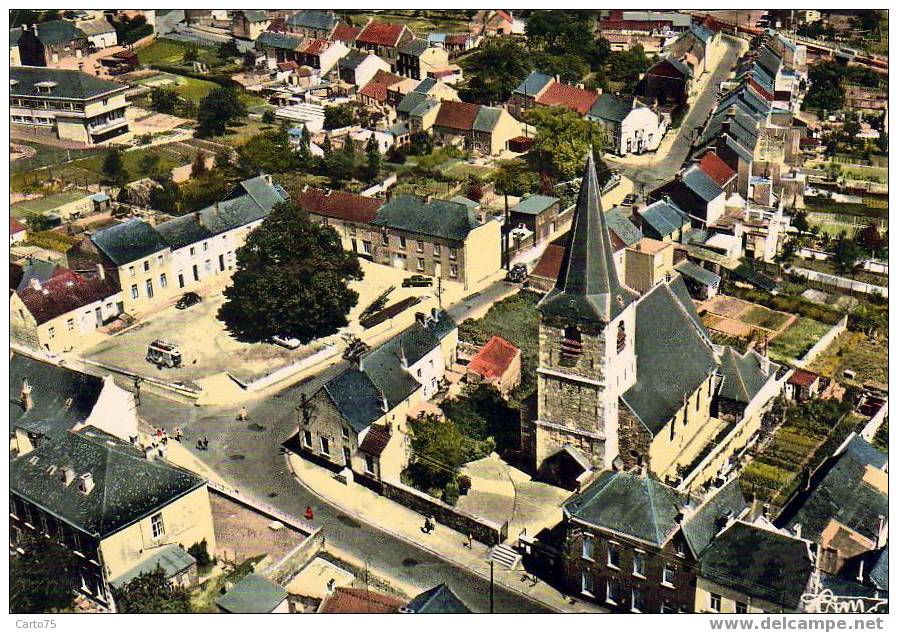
(480, 528)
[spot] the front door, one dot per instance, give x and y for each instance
(180, 280)
(221, 262)
(99, 314)
(196, 273)
(347, 456)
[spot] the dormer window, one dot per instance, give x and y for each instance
(45, 87)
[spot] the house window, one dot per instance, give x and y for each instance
(401, 242)
(588, 547)
(163, 280)
(436, 250)
(639, 564)
(612, 592)
(667, 575)
(453, 270)
(369, 464)
(586, 582)
(420, 263)
(714, 602)
(385, 239)
(70, 324)
(453, 253)
(192, 251)
(205, 246)
(208, 265)
(668, 607)
(131, 271)
(681, 550)
(613, 556)
(345, 433)
(134, 291)
(159, 259)
(637, 602)
(157, 525)
(741, 607)
(146, 265)
(366, 247)
(307, 438)
(149, 288)
(325, 446)
(621, 337)
(419, 246)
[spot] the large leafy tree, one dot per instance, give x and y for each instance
(217, 109)
(291, 280)
(164, 100)
(43, 579)
(114, 172)
(562, 139)
(494, 70)
(151, 592)
(846, 253)
(270, 152)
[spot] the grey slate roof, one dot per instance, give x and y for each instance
(664, 216)
(535, 204)
(129, 241)
(710, 518)
(701, 184)
(52, 387)
(37, 269)
(70, 84)
(95, 27)
(353, 58)
(843, 495)
(619, 223)
(312, 19)
(279, 40)
(609, 107)
(588, 287)
(171, 558)
(127, 486)
(58, 32)
(255, 15)
(183, 231)
(626, 503)
(423, 108)
(701, 33)
(533, 83)
(742, 375)
(437, 218)
(696, 272)
(673, 355)
(414, 47)
(487, 118)
(253, 594)
(440, 599)
(410, 102)
(471, 204)
(426, 85)
(879, 573)
(760, 563)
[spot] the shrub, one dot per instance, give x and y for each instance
(450, 494)
(464, 484)
(200, 552)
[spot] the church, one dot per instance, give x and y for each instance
(631, 381)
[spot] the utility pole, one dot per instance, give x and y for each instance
(491, 585)
(507, 227)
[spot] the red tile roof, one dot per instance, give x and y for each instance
(339, 205)
(633, 25)
(457, 115)
(381, 33)
(459, 39)
(577, 99)
(278, 25)
(345, 33)
(64, 293)
(549, 265)
(715, 169)
(314, 46)
(377, 88)
(285, 66)
(504, 15)
(803, 378)
(761, 90)
(665, 69)
(348, 600)
(376, 440)
(494, 358)
(15, 226)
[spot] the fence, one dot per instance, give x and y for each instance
(379, 187)
(322, 355)
(823, 343)
(482, 529)
(842, 283)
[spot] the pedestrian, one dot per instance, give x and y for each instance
(470, 543)
(205, 443)
(242, 415)
(178, 434)
(309, 514)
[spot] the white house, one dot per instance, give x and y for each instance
(359, 67)
(631, 127)
(99, 32)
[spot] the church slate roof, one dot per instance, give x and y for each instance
(440, 599)
(626, 503)
(127, 486)
(742, 375)
(588, 288)
(673, 355)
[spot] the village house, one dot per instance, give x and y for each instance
(248, 24)
(69, 104)
(537, 213)
(541, 89)
(99, 32)
(667, 82)
(377, 92)
(357, 68)
(496, 22)
(476, 128)
(349, 214)
(356, 422)
(312, 23)
(772, 579)
(429, 90)
(49, 42)
(111, 502)
(437, 600)
(63, 312)
(695, 193)
(648, 263)
(802, 385)
(497, 363)
(662, 220)
(48, 401)
(454, 43)
(630, 126)
(321, 55)
(418, 58)
(717, 170)
(383, 39)
(699, 48)
(634, 544)
(279, 48)
(701, 282)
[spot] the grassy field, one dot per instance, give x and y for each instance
(420, 22)
(460, 171)
(47, 155)
(764, 317)
(186, 87)
(868, 358)
(45, 204)
(171, 53)
(797, 339)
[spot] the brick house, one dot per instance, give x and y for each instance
(477, 128)
(383, 39)
(349, 214)
(47, 43)
(667, 82)
(634, 544)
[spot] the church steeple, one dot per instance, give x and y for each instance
(588, 288)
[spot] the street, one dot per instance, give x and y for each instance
(663, 168)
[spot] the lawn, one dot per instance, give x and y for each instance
(866, 357)
(186, 87)
(419, 21)
(162, 51)
(826, 266)
(47, 156)
(238, 134)
(460, 171)
(797, 339)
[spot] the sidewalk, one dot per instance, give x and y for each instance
(443, 542)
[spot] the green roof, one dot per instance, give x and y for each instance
(696, 272)
(487, 118)
(710, 518)
(127, 486)
(58, 32)
(760, 563)
(70, 84)
(279, 40)
(619, 223)
(588, 287)
(435, 218)
(171, 558)
(629, 504)
(253, 594)
(47, 203)
(535, 204)
(440, 599)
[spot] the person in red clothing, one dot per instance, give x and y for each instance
(309, 514)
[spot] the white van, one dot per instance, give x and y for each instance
(164, 354)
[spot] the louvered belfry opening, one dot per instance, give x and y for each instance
(571, 345)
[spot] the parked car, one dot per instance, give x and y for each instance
(629, 199)
(355, 348)
(286, 341)
(518, 274)
(164, 354)
(417, 281)
(188, 299)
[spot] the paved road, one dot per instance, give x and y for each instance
(665, 167)
(247, 455)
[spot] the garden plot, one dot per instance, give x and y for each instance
(732, 317)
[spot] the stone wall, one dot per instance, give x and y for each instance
(482, 529)
(634, 440)
(284, 570)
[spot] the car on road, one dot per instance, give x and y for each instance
(517, 274)
(286, 341)
(629, 199)
(417, 281)
(188, 299)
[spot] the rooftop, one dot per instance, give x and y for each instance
(494, 358)
(129, 241)
(349, 600)
(435, 218)
(253, 594)
(62, 294)
(381, 33)
(70, 84)
(440, 599)
(534, 204)
(340, 205)
(577, 99)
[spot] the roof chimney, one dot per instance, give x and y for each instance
(101, 272)
(403, 361)
(34, 28)
(68, 475)
(86, 483)
(27, 402)
(384, 405)
(34, 283)
(796, 530)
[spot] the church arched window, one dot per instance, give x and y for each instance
(621, 337)
(571, 344)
